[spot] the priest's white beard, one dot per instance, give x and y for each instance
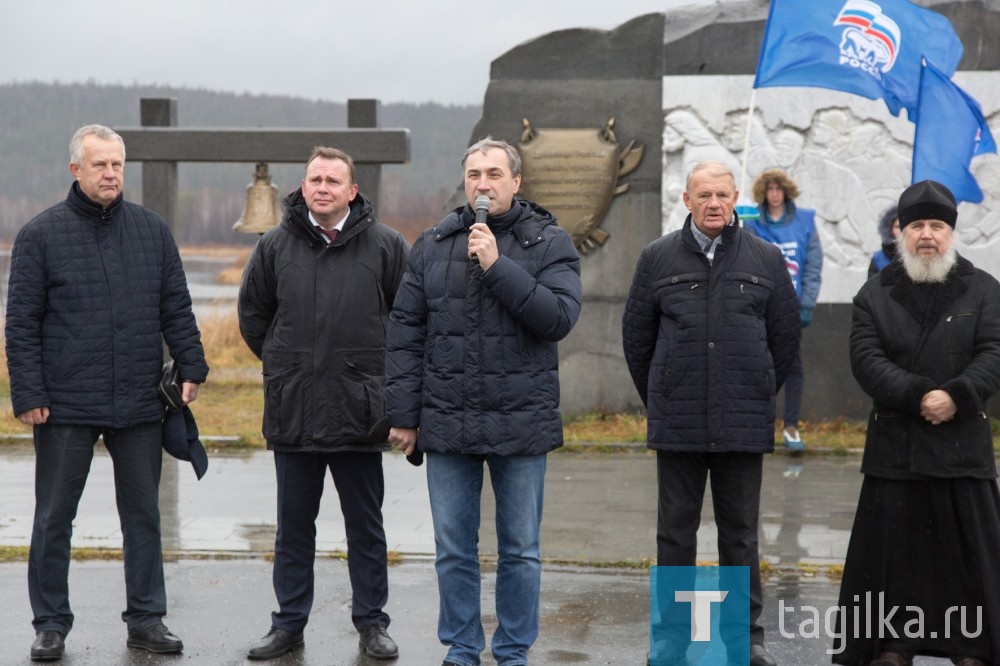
(927, 269)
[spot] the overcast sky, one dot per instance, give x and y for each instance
(391, 50)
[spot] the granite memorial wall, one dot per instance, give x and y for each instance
(678, 87)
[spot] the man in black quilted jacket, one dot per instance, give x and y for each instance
(96, 287)
(473, 381)
(710, 331)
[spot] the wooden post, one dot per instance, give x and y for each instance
(161, 145)
(159, 178)
(365, 113)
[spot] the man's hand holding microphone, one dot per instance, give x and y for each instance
(482, 242)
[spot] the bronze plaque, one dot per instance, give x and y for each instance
(573, 173)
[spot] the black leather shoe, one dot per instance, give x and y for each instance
(276, 643)
(761, 657)
(154, 638)
(49, 645)
(375, 643)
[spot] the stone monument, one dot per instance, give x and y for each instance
(679, 85)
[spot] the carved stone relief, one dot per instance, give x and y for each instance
(849, 156)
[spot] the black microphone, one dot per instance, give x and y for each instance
(482, 212)
(482, 208)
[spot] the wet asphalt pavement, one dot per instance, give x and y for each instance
(598, 531)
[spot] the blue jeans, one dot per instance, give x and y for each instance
(62, 462)
(455, 482)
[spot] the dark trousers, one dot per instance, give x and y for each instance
(793, 392)
(736, 479)
(361, 487)
(62, 462)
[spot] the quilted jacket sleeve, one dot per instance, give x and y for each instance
(405, 337)
(546, 305)
(394, 266)
(25, 313)
(640, 326)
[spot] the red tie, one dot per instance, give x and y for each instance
(330, 233)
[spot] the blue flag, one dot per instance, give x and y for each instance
(872, 49)
(950, 131)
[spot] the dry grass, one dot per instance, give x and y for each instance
(234, 274)
(224, 347)
(231, 275)
(231, 403)
(841, 435)
(605, 427)
(837, 435)
(219, 251)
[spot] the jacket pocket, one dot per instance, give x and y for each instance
(749, 292)
(666, 385)
(284, 395)
(681, 296)
(887, 445)
(355, 396)
(66, 364)
(960, 447)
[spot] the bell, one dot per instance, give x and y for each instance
(262, 210)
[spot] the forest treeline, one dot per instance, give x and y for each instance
(38, 120)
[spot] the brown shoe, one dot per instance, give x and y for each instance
(967, 661)
(892, 659)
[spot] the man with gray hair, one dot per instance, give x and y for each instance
(472, 369)
(96, 288)
(710, 331)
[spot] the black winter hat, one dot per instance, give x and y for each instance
(927, 200)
